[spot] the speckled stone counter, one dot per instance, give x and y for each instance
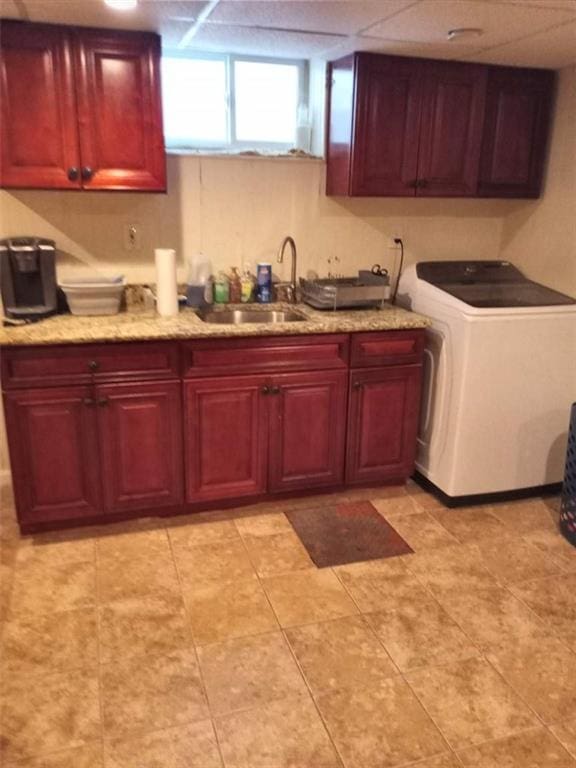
(141, 326)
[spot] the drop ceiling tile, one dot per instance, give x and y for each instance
(553, 49)
(261, 42)
(430, 20)
(324, 16)
(391, 47)
(153, 15)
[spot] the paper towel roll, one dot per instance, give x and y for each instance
(166, 287)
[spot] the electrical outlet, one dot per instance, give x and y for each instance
(132, 240)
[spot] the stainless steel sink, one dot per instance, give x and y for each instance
(241, 316)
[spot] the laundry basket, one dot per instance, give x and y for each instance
(568, 504)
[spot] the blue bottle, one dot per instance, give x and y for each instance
(264, 282)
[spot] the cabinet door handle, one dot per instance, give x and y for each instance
(102, 401)
(73, 174)
(88, 401)
(93, 365)
(274, 390)
(265, 389)
(87, 173)
(357, 385)
(421, 183)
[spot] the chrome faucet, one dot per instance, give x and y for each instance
(291, 287)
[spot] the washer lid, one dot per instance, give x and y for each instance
(489, 284)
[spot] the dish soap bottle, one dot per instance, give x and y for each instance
(221, 289)
(247, 285)
(235, 286)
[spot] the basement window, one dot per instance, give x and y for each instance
(236, 103)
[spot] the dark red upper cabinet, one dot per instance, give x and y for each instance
(518, 110)
(399, 126)
(119, 110)
(451, 128)
(39, 132)
(374, 126)
(81, 108)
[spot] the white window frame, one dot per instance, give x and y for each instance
(232, 142)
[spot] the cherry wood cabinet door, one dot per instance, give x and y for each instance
(39, 134)
(382, 423)
(140, 432)
(53, 445)
(119, 110)
(307, 430)
(387, 125)
(451, 129)
(226, 436)
(518, 109)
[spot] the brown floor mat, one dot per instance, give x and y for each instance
(346, 533)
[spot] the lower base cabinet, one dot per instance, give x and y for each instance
(81, 452)
(132, 429)
(382, 423)
(54, 454)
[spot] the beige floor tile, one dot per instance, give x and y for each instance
(447, 760)
(202, 532)
(489, 615)
(471, 524)
(139, 543)
(225, 611)
(556, 547)
(451, 567)
(381, 726)
(379, 584)
(138, 626)
(425, 501)
(279, 553)
(206, 564)
(89, 756)
(151, 692)
(542, 671)
(422, 532)
(554, 601)
(57, 548)
(378, 492)
(396, 506)
(527, 515)
(565, 732)
(306, 597)
(60, 711)
(39, 588)
(264, 525)
(284, 734)
(340, 654)
(59, 641)
(136, 578)
(188, 746)
(532, 749)
(249, 672)
(418, 632)
(470, 702)
(515, 559)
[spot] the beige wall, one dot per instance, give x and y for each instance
(541, 236)
(237, 209)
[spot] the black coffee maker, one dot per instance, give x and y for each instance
(28, 277)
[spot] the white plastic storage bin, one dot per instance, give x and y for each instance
(94, 295)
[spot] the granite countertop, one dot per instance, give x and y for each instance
(141, 326)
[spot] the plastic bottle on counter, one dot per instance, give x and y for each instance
(235, 286)
(247, 285)
(264, 282)
(199, 283)
(221, 289)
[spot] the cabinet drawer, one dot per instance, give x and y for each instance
(229, 356)
(386, 348)
(48, 366)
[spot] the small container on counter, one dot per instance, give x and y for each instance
(235, 286)
(247, 286)
(264, 282)
(221, 289)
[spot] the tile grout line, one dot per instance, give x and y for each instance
(98, 656)
(189, 627)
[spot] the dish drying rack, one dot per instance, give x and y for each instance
(365, 290)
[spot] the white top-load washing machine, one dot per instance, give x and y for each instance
(500, 376)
